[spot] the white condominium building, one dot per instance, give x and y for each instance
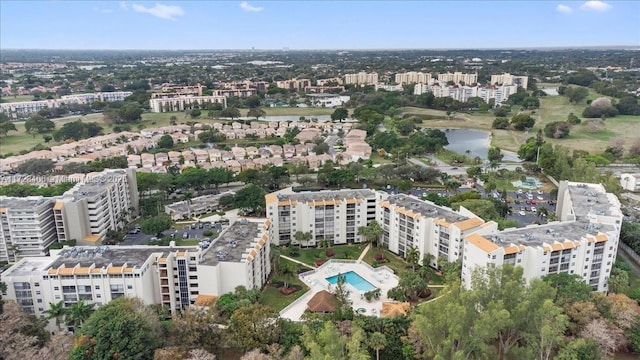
(21, 108)
(106, 201)
(463, 93)
(630, 182)
(334, 216)
(180, 103)
(26, 227)
(409, 222)
(413, 77)
(458, 77)
(241, 93)
(583, 242)
(293, 84)
(361, 78)
(101, 202)
(327, 82)
(508, 79)
(175, 277)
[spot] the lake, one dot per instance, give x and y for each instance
(476, 141)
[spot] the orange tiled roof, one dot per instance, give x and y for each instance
(482, 243)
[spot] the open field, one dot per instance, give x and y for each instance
(15, 142)
(17, 98)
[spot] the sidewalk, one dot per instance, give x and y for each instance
(297, 262)
(364, 252)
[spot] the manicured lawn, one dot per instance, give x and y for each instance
(397, 264)
(449, 156)
(17, 98)
(309, 255)
(271, 296)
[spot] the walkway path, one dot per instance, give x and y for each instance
(297, 262)
(364, 252)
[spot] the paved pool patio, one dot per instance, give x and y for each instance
(382, 278)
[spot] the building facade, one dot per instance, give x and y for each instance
(361, 78)
(175, 277)
(630, 182)
(26, 227)
(99, 203)
(181, 103)
(458, 77)
(293, 84)
(464, 93)
(583, 242)
(23, 108)
(334, 216)
(508, 79)
(413, 77)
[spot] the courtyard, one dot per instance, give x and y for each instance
(360, 279)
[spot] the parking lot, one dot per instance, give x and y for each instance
(525, 207)
(194, 232)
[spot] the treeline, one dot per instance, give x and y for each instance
(23, 190)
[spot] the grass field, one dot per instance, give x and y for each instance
(17, 98)
(16, 141)
(272, 297)
(309, 255)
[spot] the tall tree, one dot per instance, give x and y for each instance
(56, 311)
(254, 327)
(78, 313)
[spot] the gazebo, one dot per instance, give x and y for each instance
(393, 309)
(323, 302)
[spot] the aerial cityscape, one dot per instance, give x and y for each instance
(320, 180)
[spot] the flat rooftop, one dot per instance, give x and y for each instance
(236, 240)
(592, 199)
(22, 203)
(425, 208)
(327, 195)
(102, 256)
(536, 235)
(29, 266)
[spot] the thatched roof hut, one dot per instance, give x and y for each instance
(323, 301)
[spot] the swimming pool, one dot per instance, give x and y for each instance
(354, 280)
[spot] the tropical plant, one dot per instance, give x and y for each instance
(56, 311)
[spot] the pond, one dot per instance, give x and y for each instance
(476, 141)
(461, 140)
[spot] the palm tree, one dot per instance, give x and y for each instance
(413, 256)
(16, 251)
(56, 311)
(77, 313)
(377, 341)
(371, 232)
(301, 236)
(287, 271)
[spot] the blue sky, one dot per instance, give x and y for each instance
(316, 24)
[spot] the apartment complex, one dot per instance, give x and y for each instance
(241, 93)
(409, 222)
(508, 79)
(463, 93)
(361, 78)
(180, 103)
(329, 82)
(334, 216)
(413, 77)
(175, 277)
(583, 241)
(293, 84)
(458, 77)
(101, 202)
(26, 227)
(23, 108)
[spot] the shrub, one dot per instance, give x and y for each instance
(379, 257)
(207, 233)
(500, 123)
(329, 253)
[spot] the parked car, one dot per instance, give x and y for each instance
(540, 198)
(527, 208)
(533, 209)
(185, 236)
(533, 202)
(153, 238)
(522, 213)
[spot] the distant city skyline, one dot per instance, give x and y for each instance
(353, 25)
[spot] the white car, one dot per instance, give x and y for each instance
(519, 191)
(540, 192)
(522, 213)
(540, 198)
(533, 209)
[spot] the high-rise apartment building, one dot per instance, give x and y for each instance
(583, 242)
(102, 202)
(175, 277)
(334, 216)
(293, 84)
(361, 78)
(458, 77)
(413, 77)
(508, 79)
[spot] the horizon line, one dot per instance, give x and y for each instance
(568, 47)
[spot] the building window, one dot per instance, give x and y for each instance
(36, 284)
(129, 287)
(55, 288)
(97, 287)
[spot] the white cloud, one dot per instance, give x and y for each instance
(564, 9)
(595, 5)
(102, 11)
(246, 7)
(124, 6)
(168, 12)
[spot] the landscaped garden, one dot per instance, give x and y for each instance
(317, 256)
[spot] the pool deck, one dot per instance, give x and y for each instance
(381, 277)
